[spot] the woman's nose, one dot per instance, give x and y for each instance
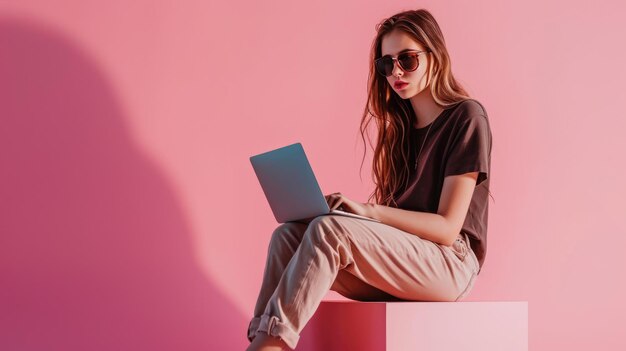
(396, 69)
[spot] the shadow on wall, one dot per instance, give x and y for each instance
(95, 253)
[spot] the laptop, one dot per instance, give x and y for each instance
(290, 186)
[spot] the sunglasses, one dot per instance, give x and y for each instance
(407, 60)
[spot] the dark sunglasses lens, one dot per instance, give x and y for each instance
(384, 66)
(408, 61)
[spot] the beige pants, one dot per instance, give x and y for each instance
(360, 259)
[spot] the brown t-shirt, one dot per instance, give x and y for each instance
(458, 142)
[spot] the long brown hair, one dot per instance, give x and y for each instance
(394, 116)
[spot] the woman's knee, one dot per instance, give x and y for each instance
(287, 233)
(321, 227)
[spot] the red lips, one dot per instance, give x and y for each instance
(399, 83)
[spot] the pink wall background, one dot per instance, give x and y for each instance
(130, 217)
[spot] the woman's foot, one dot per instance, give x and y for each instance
(264, 342)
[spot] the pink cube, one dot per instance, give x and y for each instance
(431, 326)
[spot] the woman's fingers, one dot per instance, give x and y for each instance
(333, 200)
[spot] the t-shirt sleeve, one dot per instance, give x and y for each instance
(470, 148)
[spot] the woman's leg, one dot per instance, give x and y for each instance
(264, 342)
(283, 244)
(354, 288)
(397, 263)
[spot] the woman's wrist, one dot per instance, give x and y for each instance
(372, 210)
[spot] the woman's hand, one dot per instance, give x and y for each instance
(338, 201)
(341, 202)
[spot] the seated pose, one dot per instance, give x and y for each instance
(431, 165)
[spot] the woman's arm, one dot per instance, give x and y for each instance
(442, 227)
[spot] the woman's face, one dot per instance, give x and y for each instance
(393, 44)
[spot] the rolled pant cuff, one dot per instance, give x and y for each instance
(273, 326)
(252, 327)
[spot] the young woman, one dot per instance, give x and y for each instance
(431, 165)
